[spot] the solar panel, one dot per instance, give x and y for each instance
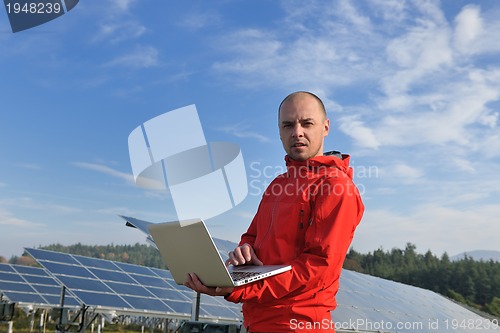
(6, 268)
(218, 307)
(368, 303)
(90, 262)
(124, 287)
(32, 286)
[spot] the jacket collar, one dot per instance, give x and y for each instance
(329, 160)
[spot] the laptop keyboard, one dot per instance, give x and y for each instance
(243, 275)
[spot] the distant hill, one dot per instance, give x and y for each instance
(484, 255)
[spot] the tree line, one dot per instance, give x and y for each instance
(137, 254)
(474, 283)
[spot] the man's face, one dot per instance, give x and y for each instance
(303, 127)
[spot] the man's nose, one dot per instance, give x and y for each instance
(297, 131)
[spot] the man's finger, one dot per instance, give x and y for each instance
(256, 261)
(247, 253)
(250, 255)
(238, 256)
(194, 283)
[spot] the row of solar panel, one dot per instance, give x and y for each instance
(364, 302)
(105, 285)
(31, 285)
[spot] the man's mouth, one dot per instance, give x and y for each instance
(298, 144)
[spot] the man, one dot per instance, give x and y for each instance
(306, 218)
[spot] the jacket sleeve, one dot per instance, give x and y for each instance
(334, 217)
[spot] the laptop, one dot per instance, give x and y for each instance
(187, 247)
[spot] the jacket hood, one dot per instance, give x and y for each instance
(333, 159)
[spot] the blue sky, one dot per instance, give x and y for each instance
(412, 89)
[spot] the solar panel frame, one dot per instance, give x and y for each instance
(108, 275)
(52, 256)
(96, 263)
(66, 269)
(6, 268)
(16, 286)
(10, 277)
(148, 304)
(86, 284)
(130, 289)
(122, 287)
(24, 298)
(182, 308)
(32, 287)
(44, 280)
(28, 270)
(101, 300)
(218, 311)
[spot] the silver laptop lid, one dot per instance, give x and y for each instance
(187, 247)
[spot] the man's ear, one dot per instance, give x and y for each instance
(327, 127)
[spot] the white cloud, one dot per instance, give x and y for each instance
(29, 166)
(240, 130)
(7, 218)
(416, 54)
(445, 116)
(127, 177)
(468, 27)
(463, 164)
(284, 58)
(429, 226)
(141, 57)
(122, 5)
(198, 21)
(490, 146)
(362, 134)
(144, 182)
(487, 44)
(407, 173)
(117, 32)
(429, 94)
(390, 10)
(28, 203)
(351, 14)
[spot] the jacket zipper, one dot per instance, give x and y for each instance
(301, 227)
(272, 221)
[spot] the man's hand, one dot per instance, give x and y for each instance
(192, 282)
(242, 255)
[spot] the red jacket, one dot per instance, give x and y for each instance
(306, 218)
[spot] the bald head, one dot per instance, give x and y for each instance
(299, 94)
(303, 125)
